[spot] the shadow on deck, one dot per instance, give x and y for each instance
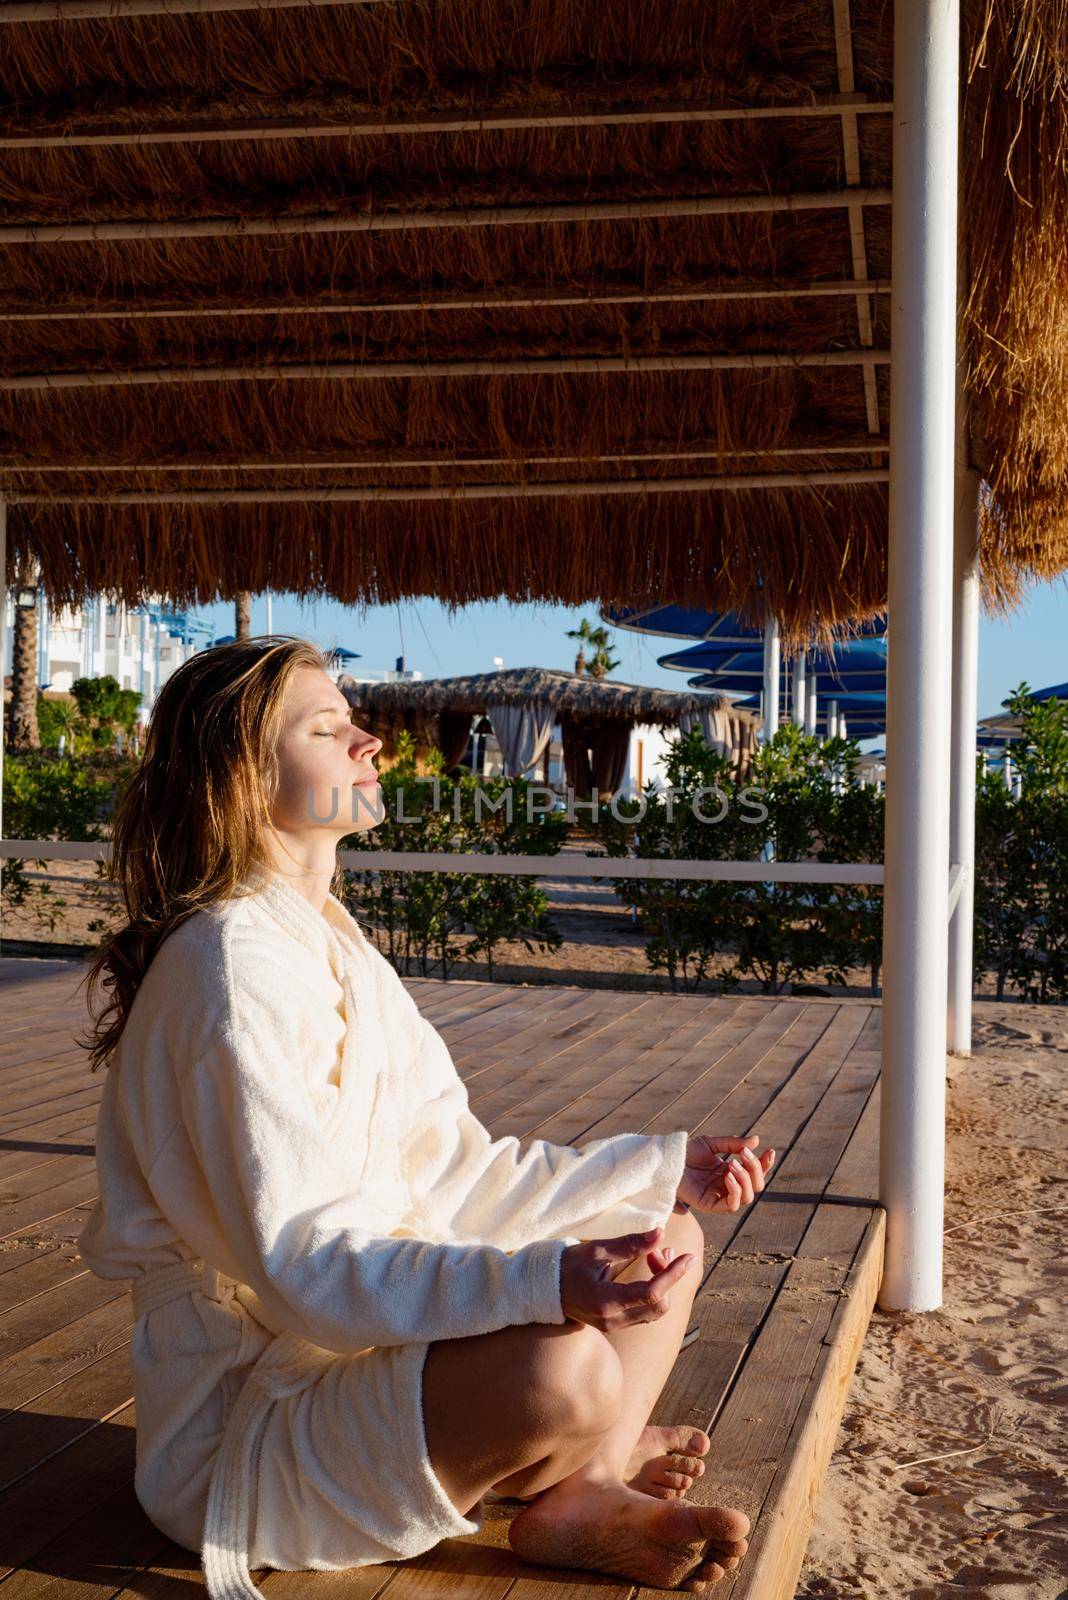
(788, 1290)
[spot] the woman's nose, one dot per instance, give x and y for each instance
(369, 744)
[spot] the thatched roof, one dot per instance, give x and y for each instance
(494, 299)
(570, 694)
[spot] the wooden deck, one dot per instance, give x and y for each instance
(786, 1298)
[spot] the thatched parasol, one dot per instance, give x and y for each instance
(514, 305)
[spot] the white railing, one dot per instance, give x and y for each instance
(520, 866)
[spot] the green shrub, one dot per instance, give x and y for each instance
(1021, 881)
(800, 800)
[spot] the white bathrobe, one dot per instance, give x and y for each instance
(291, 1175)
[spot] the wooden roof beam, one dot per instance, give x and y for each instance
(412, 221)
(411, 463)
(116, 10)
(462, 491)
(219, 131)
(502, 300)
(525, 366)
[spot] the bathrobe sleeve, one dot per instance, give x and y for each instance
(468, 1185)
(294, 1218)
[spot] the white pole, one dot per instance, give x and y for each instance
(3, 658)
(1006, 768)
(269, 629)
(922, 426)
(832, 719)
(962, 753)
(811, 706)
(799, 689)
(772, 675)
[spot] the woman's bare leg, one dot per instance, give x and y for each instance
(647, 1352)
(527, 1410)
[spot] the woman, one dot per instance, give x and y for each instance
(355, 1313)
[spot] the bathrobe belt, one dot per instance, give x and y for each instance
(287, 1365)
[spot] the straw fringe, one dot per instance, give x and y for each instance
(815, 556)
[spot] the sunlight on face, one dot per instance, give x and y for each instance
(326, 777)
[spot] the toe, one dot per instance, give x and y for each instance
(677, 1462)
(723, 1524)
(708, 1573)
(692, 1441)
(673, 1480)
(729, 1547)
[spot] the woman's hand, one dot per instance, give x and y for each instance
(589, 1292)
(723, 1174)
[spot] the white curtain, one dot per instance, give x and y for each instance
(523, 733)
(715, 725)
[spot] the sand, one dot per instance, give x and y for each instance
(988, 1370)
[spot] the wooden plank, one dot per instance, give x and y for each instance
(707, 1072)
(24, 1155)
(519, 1031)
(545, 1087)
(46, 1175)
(759, 1245)
(459, 1568)
(58, 1418)
(42, 1504)
(511, 1083)
(55, 1234)
(770, 1570)
(89, 1559)
(69, 1100)
(18, 1213)
(44, 1365)
(48, 1082)
(37, 1275)
(53, 1308)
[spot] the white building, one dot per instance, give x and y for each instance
(139, 646)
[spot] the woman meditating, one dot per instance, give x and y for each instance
(356, 1313)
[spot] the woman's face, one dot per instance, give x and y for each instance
(326, 781)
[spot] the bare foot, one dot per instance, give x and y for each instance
(613, 1528)
(665, 1461)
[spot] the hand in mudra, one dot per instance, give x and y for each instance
(589, 1291)
(722, 1174)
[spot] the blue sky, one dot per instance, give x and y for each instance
(1030, 644)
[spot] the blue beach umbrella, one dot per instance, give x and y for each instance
(690, 622)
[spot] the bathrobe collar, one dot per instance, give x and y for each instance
(326, 933)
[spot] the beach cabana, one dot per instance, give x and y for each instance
(596, 717)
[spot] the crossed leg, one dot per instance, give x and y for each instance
(555, 1412)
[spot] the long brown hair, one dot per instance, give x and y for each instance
(189, 829)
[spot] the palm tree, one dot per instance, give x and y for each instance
(242, 614)
(603, 662)
(22, 730)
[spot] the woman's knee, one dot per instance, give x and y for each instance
(684, 1233)
(577, 1377)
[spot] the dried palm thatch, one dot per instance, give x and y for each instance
(570, 694)
(488, 299)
